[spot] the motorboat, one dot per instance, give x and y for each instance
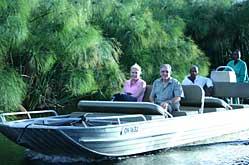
(113, 129)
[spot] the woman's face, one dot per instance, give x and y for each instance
(135, 74)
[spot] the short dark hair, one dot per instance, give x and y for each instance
(237, 52)
(194, 66)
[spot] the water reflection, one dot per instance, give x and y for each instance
(236, 153)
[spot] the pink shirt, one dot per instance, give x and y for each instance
(137, 89)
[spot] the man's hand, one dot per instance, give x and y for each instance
(164, 105)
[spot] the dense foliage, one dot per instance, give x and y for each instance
(53, 52)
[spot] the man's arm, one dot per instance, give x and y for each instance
(152, 94)
(209, 87)
(178, 92)
(170, 102)
(176, 99)
(152, 99)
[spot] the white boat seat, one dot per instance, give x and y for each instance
(223, 76)
(227, 75)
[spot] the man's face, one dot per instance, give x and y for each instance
(193, 72)
(165, 73)
(235, 56)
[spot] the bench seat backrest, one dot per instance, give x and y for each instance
(147, 93)
(193, 95)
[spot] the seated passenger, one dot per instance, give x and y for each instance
(195, 79)
(166, 91)
(134, 88)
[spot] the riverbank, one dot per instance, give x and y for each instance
(10, 153)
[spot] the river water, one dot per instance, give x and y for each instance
(230, 152)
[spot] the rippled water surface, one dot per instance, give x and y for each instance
(219, 153)
(231, 152)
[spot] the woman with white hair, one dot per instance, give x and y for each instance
(135, 86)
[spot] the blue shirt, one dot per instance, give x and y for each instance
(161, 92)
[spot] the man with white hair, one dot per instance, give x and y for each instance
(166, 91)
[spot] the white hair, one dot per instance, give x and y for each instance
(136, 66)
(166, 66)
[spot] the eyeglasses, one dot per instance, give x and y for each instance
(162, 71)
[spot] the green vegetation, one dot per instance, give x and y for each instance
(53, 52)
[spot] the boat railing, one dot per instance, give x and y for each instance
(88, 121)
(28, 113)
(112, 120)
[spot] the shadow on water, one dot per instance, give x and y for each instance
(10, 153)
(230, 152)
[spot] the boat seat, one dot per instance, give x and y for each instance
(178, 113)
(147, 96)
(195, 100)
(224, 89)
(147, 93)
(213, 102)
(77, 114)
(121, 107)
(223, 76)
(154, 117)
(238, 106)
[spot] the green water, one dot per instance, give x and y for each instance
(10, 153)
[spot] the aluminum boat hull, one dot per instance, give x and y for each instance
(124, 139)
